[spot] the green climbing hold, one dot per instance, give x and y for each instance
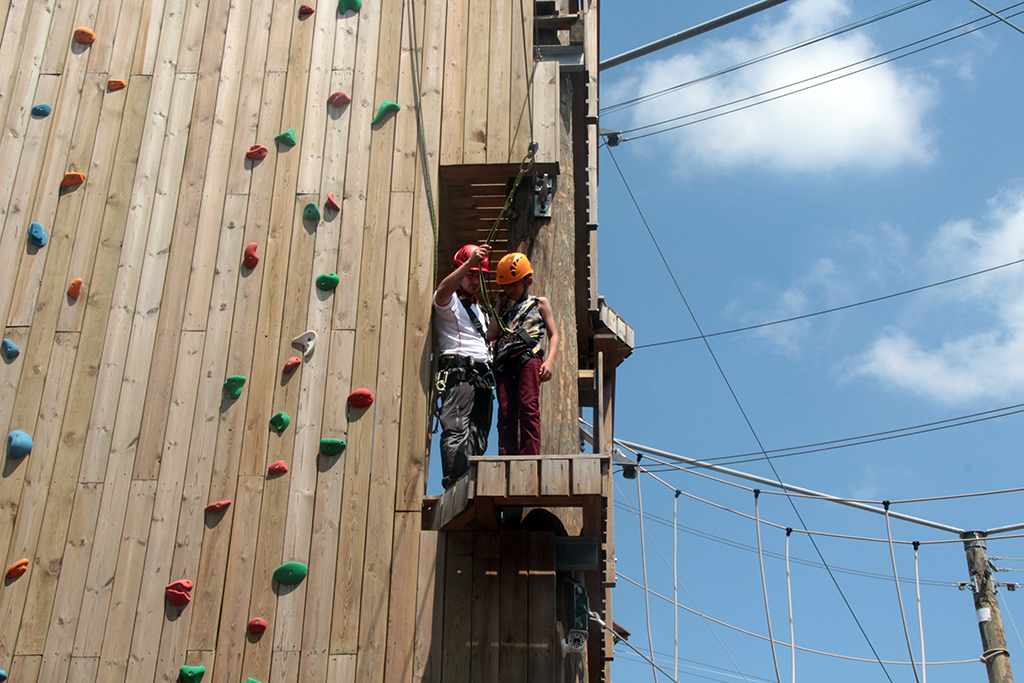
(280, 421)
(192, 674)
(386, 107)
(290, 573)
(287, 137)
(332, 446)
(327, 281)
(346, 5)
(233, 385)
(311, 212)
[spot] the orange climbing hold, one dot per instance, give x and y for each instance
(361, 398)
(278, 467)
(218, 507)
(75, 288)
(251, 259)
(256, 152)
(338, 99)
(85, 36)
(18, 568)
(72, 178)
(179, 593)
(114, 85)
(332, 203)
(291, 364)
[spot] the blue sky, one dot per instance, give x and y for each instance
(900, 176)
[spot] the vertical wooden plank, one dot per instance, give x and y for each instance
(486, 624)
(342, 669)
(586, 476)
(26, 667)
(430, 607)
(319, 30)
(522, 70)
(515, 559)
(542, 635)
(499, 82)
(83, 669)
(147, 44)
(453, 123)
(12, 39)
(554, 477)
(10, 375)
(477, 72)
(400, 662)
(491, 479)
(522, 478)
(458, 608)
(545, 111)
(55, 58)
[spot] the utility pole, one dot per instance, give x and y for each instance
(990, 621)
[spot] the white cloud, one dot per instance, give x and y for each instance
(954, 366)
(868, 120)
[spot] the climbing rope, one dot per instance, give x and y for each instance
(764, 587)
(899, 594)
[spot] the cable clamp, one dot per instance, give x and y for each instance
(989, 655)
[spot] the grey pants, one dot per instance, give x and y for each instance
(466, 407)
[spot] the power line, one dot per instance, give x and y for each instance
(832, 310)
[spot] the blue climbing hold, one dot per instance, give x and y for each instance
(41, 110)
(19, 444)
(3, 675)
(10, 349)
(37, 236)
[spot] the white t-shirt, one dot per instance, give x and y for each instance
(456, 334)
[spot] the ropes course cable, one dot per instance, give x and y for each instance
(789, 593)
(899, 594)
(643, 560)
(920, 621)
(764, 588)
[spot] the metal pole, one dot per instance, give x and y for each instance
(990, 621)
(688, 33)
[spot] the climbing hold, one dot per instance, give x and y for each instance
(218, 507)
(233, 385)
(115, 84)
(332, 203)
(311, 212)
(37, 236)
(277, 468)
(386, 107)
(41, 110)
(251, 259)
(75, 288)
(290, 573)
(179, 593)
(327, 281)
(305, 10)
(256, 152)
(287, 137)
(346, 5)
(191, 674)
(291, 364)
(17, 569)
(306, 340)
(360, 398)
(85, 36)
(338, 99)
(72, 178)
(19, 444)
(10, 349)
(280, 421)
(3, 675)
(257, 626)
(332, 446)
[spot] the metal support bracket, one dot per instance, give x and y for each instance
(543, 193)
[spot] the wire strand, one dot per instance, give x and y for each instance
(899, 594)
(764, 589)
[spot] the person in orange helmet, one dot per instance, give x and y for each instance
(520, 361)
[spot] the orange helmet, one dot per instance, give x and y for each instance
(513, 267)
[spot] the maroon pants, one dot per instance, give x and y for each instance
(519, 410)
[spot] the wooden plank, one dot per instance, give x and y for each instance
(486, 618)
(458, 609)
(554, 477)
(521, 91)
(475, 136)
(399, 665)
(342, 669)
(10, 375)
(522, 478)
(546, 118)
(586, 477)
(429, 607)
(591, 58)
(453, 123)
(99, 52)
(280, 36)
(26, 667)
(514, 651)
(491, 479)
(10, 52)
(156, 573)
(405, 166)
(285, 666)
(125, 40)
(149, 36)
(542, 636)
(19, 71)
(74, 566)
(499, 82)
(55, 57)
(317, 30)
(191, 48)
(83, 669)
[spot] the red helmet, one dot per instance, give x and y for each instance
(462, 255)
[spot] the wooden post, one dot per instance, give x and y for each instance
(990, 621)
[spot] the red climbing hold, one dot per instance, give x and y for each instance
(114, 85)
(257, 626)
(361, 398)
(72, 178)
(75, 288)
(338, 99)
(278, 467)
(179, 593)
(251, 259)
(332, 203)
(17, 569)
(85, 36)
(218, 507)
(305, 10)
(291, 364)
(256, 152)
